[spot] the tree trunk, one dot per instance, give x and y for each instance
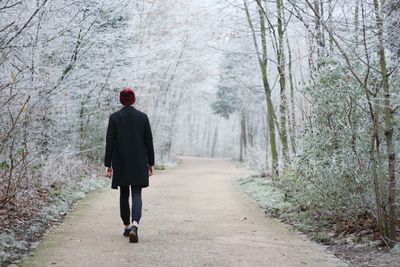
(356, 20)
(243, 135)
(215, 140)
(388, 119)
(318, 30)
(331, 25)
(282, 82)
(292, 115)
(380, 209)
(263, 63)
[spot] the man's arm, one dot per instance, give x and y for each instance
(148, 141)
(110, 141)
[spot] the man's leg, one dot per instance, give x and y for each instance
(136, 204)
(136, 213)
(124, 205)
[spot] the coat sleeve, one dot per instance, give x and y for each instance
(148, 141)
(110, 142)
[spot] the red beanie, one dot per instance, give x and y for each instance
(127, 96)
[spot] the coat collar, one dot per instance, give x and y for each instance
(127, 107)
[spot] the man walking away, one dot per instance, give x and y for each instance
(129, 159)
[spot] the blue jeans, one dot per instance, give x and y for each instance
(136, 204)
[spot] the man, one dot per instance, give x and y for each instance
(129, 159)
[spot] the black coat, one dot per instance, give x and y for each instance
(129, 147)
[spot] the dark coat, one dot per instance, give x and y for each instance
(129, 147)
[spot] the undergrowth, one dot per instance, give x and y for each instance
(323, 225)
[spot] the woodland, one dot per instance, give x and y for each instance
(306, 92)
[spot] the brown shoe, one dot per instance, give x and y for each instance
(133, 235)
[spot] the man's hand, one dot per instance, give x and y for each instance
(150, 171)
(109, 172)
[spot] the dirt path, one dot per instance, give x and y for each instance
(193, 216)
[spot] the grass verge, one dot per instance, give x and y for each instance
(353, 239)
(22, 228)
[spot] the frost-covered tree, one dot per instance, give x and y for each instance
(57, 64)
(346, 93)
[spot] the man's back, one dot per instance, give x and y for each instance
(129, 147)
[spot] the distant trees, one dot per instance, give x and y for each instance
(170, 66)
(238, 85)
(229, 98)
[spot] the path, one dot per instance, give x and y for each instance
(194, 216)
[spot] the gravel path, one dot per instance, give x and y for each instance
(193, 216)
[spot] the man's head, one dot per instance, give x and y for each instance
(127, 96)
